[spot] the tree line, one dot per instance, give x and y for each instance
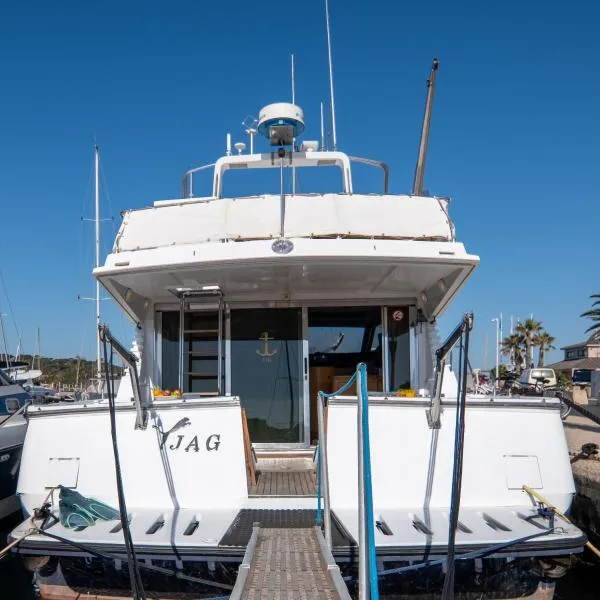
(520, 345)
(65, 371)
(530, 334)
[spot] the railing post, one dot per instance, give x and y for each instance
(324, 470)
(363, 565)
(367, 557)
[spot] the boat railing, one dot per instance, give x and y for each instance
(187, 183)
(375, 163)
(130, 359)
(367, 561)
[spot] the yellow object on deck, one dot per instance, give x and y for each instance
(564, 517)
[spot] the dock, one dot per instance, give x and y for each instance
(586, 471)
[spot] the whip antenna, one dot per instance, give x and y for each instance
(330, 76)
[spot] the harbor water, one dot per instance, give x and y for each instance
(582, 582)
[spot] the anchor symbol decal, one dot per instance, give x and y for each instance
(266, 353)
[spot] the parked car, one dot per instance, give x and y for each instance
(533, 377)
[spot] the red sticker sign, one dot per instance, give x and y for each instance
(397, 315)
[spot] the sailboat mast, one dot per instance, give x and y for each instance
(97, 222)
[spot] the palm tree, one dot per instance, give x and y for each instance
(594, 315)
(512, 345)
(529, 329)
(545, 342)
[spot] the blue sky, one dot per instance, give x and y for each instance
(515, 139)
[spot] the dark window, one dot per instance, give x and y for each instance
(267, 372)
(399, 343)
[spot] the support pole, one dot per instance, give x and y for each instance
(97, 263)
(324, 469)
(420, 170)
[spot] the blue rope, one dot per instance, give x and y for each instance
(467, 556)
(343, 389)
(374, 585)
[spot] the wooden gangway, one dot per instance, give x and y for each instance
(288, 563)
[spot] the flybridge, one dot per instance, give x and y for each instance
(281, 124)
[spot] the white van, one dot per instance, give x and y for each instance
(533, 377)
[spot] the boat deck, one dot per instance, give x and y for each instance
(284, 477)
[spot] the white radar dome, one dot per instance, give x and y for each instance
(281, 122)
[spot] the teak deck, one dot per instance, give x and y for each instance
(285, 483)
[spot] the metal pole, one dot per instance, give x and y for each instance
(420, 170)
(293, 83)
(497, 321)
(97, 222)
(181, 345)
(333, 129)
(294, 142)
(363, 551)
(220, 348)
(282, 200)
(324, 470)
(322, 129)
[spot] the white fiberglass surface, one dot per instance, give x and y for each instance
(153, 527)
(406, 455)
(188, 457)
(481, 525)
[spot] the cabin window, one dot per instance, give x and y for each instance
(12, 405)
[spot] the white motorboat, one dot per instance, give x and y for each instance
(246, 307)
(12, 436)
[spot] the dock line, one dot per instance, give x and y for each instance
(535, 494)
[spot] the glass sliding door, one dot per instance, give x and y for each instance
(267, 372)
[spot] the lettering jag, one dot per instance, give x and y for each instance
(211, 444)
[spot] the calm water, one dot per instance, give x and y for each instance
(581, 582)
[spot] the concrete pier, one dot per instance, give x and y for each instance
(586, 472)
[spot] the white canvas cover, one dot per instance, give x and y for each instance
(258, 217)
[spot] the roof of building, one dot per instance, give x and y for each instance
(580, 363)
(593, 340)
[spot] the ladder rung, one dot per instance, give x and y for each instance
(215, 331)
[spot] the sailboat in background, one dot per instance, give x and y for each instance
(96, 387)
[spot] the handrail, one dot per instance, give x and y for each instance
(368, 582)
(187, 182)
(368, 587)
(375, 163)
(322, 461)
(106, 337)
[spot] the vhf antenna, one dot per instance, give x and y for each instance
(330, 76)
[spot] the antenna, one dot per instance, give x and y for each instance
(293, 82)
(294, 142)
(420, 169)
(330, 75)
(322, 129)
(97, 223)
(228, 146)
(249, 125)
